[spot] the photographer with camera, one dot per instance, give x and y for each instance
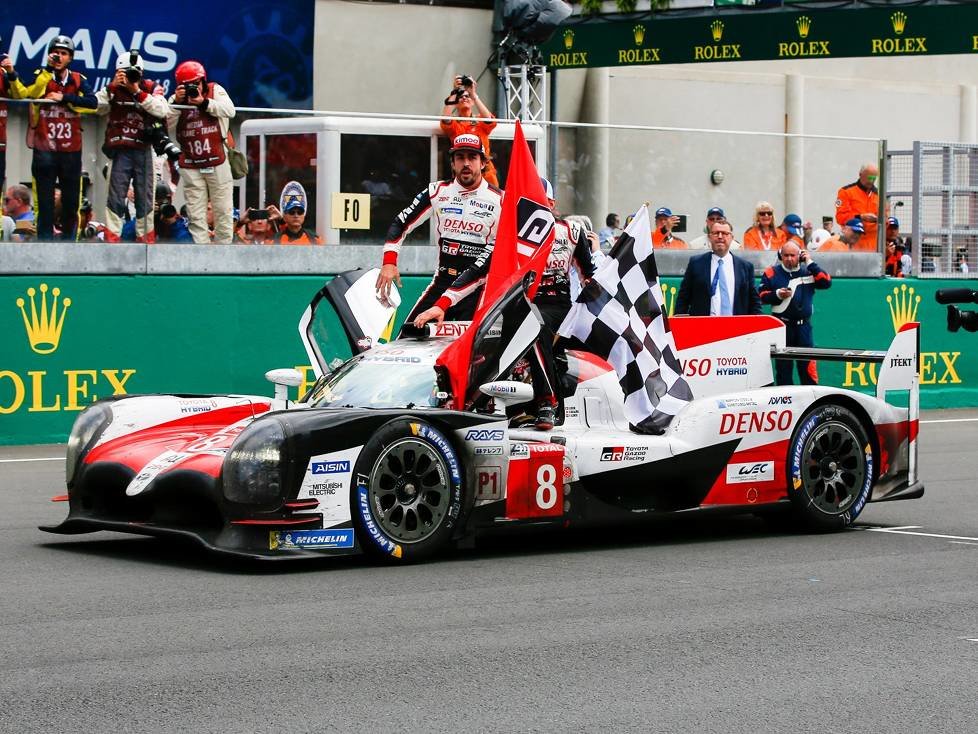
(789, 288)
(201, 132)
(136, 109)
(464, 102)
(257, 226)
(55, 134)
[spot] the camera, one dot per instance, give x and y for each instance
(155, 135)
(956, 318)
(191, 89)
(680, 226)
(255, 214)
(466, 80)
(133, 74)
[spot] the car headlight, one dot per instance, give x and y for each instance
(89, 424)
(253, 467)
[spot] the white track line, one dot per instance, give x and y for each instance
(902, 531)
(952, 420)
(43, 458)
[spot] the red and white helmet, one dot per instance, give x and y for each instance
(190, 71)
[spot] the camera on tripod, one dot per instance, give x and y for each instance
(956, 318)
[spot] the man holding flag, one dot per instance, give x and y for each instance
(523, 244)
(621, 316)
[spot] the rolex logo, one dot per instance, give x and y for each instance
(639, 33)
(804, 24)
(568, 39)
(899, 20)
(669, 293)
(44, 329)
(903, 306)
(716, 30)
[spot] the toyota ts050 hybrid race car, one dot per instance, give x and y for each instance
(374, 460)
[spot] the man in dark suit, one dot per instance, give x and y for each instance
(718, 283)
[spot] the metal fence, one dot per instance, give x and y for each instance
(945, 209)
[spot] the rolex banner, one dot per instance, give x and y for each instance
(754, 35)
(65, 341)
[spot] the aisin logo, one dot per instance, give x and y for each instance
(44, 327)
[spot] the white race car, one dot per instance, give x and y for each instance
(380, 456)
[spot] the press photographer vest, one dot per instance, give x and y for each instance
(127, 121)
(58, 127)
(199, 137)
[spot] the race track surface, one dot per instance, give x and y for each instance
(685, 625)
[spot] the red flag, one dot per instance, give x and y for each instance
(523, 242)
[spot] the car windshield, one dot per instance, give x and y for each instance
(364, 383)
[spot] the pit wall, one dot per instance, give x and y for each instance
(219, 334)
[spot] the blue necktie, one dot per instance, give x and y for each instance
(720, 278)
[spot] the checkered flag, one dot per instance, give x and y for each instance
(621, 316)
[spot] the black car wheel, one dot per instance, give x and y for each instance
(407, 497)
(830, 468)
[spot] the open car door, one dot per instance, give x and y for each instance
(492, 345)
(346, 305)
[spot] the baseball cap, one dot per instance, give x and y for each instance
(792, 222)
(856, 225)
(548, 188)
(467, 141)
(663, 211)
(892, 222)
(715, 211)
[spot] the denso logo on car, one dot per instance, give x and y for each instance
(330, 467)
(764, 422)
(482, 434)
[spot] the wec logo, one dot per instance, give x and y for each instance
(330, 467)
(750, 473)
(481, 434)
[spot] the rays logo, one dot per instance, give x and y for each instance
(534, 222)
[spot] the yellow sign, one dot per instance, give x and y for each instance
(350, 211)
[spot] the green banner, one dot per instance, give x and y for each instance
(756, 36)
(68, 340)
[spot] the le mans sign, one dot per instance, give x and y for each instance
(757, 36)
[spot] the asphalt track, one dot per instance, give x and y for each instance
(691, 624)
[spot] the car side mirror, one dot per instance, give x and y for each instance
(508, 391)
(283, 379)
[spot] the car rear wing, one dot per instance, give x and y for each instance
(899, 372)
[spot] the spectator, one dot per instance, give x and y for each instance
(893, 266)
(713, 214)
(173, 227)
(793, 230)
(55, 135)
(763, 234)
(7, 73)
(464, 101)
(906, 262)
(829, 225)
(789, 288)
(892, 230)
(461, 236)
(133, 105)
(844, 241)
(610, 231)
(17, 206)
(961, 261)
(256, 228)
(292, 231)
(662, 237)
(201, 134)
(861, 200)
(6, 228)
(718, 283)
